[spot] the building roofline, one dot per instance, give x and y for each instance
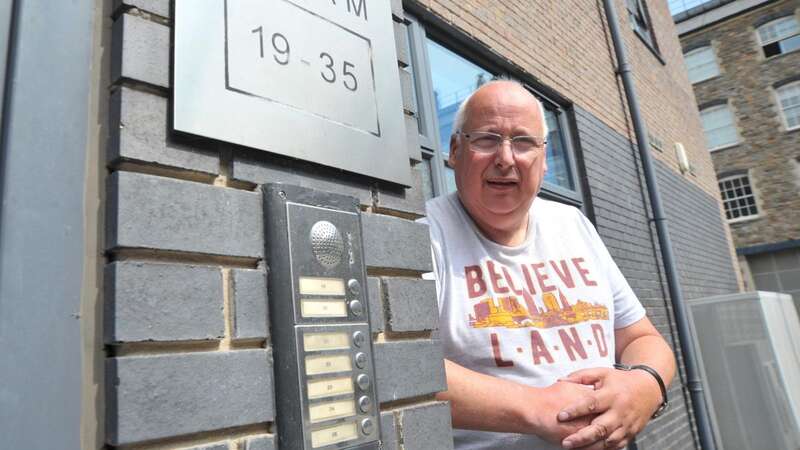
(711, 12)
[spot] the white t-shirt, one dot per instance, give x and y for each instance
(531, 313)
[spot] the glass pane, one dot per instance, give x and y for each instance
(558, 171)
(718, 126)
(449, 179)
(790, 45)
(778, 29)
(454, 78)
(701, 64)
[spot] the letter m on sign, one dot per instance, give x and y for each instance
(357, 6)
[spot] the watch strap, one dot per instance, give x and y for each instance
(654, 374)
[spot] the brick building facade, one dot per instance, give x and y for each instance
(749, 66)
(172, 335)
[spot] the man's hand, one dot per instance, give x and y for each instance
(550, 401)
(620, 406)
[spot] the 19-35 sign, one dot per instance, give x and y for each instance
(311, 79)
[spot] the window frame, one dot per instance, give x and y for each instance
(736, 176)
(763, 44)
(419, 32)
(784, 119)
(649, 40)
(710, 47)
(727, 106)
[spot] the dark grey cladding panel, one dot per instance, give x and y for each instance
(698, 236)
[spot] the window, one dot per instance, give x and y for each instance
(789, 102)
(779, 36)
(738, 197)
(640, 21)
(718, 126)
(701, 64)
(450, 76)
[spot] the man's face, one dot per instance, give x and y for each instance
(497, 189)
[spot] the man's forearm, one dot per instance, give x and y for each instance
(483, 402)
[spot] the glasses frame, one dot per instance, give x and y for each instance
(539, 143)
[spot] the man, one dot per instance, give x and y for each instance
(533, 311)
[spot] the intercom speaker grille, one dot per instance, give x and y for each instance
(327, 243)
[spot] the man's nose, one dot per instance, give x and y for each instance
(504, 157)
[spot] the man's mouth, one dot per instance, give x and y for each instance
(501, 182)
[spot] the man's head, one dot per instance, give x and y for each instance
(497, 188)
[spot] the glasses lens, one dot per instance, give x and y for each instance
(524, 144)
(485, 142)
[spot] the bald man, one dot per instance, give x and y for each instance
(534, 313)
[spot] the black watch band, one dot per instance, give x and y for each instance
(651, 371)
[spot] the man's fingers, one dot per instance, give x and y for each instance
(617, 439)
(585, 376)
(586, 405)
(598, 431)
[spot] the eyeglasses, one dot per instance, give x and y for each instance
(487, 142)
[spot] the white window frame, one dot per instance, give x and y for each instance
(763, 44)
(733, 124)
(746, 218)
(713, 59)
(784, 119)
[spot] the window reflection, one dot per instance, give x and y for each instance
(454, 78)
(558, 170)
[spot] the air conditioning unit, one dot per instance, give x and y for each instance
(749, 345)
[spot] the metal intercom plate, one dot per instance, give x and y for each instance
(322, 346)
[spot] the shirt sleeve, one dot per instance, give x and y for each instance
(627, 307)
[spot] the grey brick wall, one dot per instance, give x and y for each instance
(185, 307)
(622, 215)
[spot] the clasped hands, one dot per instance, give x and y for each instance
(598, 408)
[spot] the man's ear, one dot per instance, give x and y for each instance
(451, 158)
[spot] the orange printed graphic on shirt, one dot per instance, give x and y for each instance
(509, 313)
(513, 306)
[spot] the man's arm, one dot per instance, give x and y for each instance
(624, 400)
(484, 402)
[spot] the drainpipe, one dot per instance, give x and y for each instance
(670, 270)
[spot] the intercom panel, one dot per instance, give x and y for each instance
(319, 321)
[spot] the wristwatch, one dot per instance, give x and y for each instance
(651, 371)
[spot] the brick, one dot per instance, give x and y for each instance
(162, 302)
(138, 132)
(152, 212)
(407, 89)
(153, 397)
(408, 248)
(250, 304)
(160, 7)
(406, 369)
(422, 427)
(401, 44)
(266, 442)
(260, 168)
(408, 200)
(389, 432)
(411, 304)
(140, 51)
(375, 304)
